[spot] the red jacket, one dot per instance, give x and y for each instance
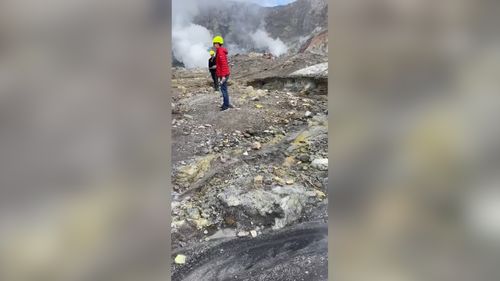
(222, 69)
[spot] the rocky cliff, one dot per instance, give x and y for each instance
(294, 24)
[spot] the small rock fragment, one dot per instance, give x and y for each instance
(289, 161)
(258, 180)
(260, 92)
(201, 223)
(321, 195)
(177, 224)
(193, 213)
(279, 180)
(242, 234)
(230, 220)
(249, 89)
(256, 145)
(180, 259)
(320, 164)
(304, 158)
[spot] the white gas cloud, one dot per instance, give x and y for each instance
(262, 39)
(190, 42)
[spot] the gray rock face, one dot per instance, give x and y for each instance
(284, 202)
(292, 23)
(258, 201)
(237, 21)
(292, 209)
(317, 70)
(297, 19)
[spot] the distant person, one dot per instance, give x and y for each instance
(211, 67)
(222, 70)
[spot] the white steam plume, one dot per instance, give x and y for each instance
(190, 42)
(262, 40)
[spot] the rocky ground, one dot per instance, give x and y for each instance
(296, 253)
(248, 174)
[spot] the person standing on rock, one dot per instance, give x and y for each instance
(211, 67)
(222, 70)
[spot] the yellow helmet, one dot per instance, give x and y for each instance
(212, 52)
(218, 39)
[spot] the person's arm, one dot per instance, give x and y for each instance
(211, 64)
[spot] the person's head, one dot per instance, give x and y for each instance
(212, 53)
(218, 41)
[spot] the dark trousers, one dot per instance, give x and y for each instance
(214, 77)
(225, 94)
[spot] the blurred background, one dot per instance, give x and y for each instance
(414, 102)
(84, 140)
